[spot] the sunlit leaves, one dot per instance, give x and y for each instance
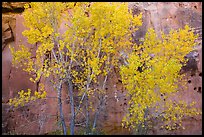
(94, 36)
(26, 97)
(153, 69)
(100, 30)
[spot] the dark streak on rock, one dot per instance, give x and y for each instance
(9, 74)
(119, 80)
(6, 41)
(200, 74)
(199, 89)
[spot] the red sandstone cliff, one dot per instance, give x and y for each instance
(40, 117)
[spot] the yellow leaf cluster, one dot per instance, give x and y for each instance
(25, 97)
(174, 112)
(153, 69)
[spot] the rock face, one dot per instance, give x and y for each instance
(163, 16)
(15, 7)
(41, 117)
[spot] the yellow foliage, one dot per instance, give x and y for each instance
(25, 97)
(153, 69)
(95, 34)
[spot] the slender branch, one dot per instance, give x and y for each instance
(55, 55)
(78, 108)
(60, 108)
(103, 98)
(87, 114)
(70, 88)
(99, 49)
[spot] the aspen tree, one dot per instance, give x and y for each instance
(95, 35)
(152, 75)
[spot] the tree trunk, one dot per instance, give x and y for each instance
(95, 118)
(60, 109)
(100, 103)
(87, 115)
(71, 95)
(97, 113)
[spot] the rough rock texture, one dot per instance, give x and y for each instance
(16, 7)
(41, 117)
(163, 16)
